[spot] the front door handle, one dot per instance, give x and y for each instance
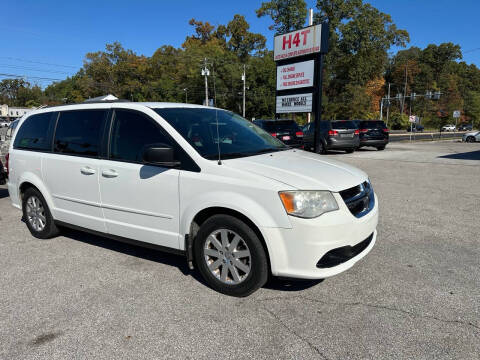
(109, 173)
(87, 170)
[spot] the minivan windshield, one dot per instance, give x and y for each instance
(235, 136)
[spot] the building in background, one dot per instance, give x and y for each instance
(13, 112)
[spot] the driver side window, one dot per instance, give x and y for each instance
(131, 133)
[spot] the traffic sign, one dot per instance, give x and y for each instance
(456, 114)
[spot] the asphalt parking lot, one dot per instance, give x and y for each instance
(415, 296)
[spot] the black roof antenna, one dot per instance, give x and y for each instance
(218, 138)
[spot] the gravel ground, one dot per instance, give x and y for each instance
(415, 296)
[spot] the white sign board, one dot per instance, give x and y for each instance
(456, 114)
(412, 118)
(294, 103)
(297, 43)
(294, 76)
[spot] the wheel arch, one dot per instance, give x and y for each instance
(31, 180)
(208, 212)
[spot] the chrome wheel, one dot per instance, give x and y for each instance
(227, 256)
(36, 213)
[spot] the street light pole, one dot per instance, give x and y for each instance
(206, 72)
(244, 80)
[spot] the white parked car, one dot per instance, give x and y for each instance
(193, 180)
(448, 127)
(4, 123)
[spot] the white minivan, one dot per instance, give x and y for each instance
(193, 180)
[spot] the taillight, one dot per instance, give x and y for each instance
(332, 132)
(363, 130)
(386, 130)
(273, 134)
(299, 133)
(6, 162)
(357, 132)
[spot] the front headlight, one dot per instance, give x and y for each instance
(308, 204)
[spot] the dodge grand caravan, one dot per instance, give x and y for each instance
(198, 181)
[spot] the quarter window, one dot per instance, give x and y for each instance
(36, 132)
(79, 132)
(131, 133)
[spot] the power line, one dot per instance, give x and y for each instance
(38, 62)
(20, 67)
(29, 77)
(471, 50)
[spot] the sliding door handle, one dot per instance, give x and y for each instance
(109, 173)
(87, 170)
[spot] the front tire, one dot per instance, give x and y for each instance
(37, 215)
(380, 148)
(349, 151)
(230, 256)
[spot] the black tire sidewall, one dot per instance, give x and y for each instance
(259, 264)
(50, 229)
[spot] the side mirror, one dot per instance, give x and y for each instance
(160, 155)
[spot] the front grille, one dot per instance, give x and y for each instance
(342, 254)
(359, 199)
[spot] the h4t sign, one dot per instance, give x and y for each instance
(298, 43)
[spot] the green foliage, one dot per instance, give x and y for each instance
(399, 121)
(472, 106)
(287, 15)
(357, 68)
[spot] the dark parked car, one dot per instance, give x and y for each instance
(415, 128)
(465, 127)
(335, 135)
(287, 131)
(3, 175)
(373, 133)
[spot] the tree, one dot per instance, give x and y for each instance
(472, 106)
(287, 15)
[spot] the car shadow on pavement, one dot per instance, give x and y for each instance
(471, 155)
(3, 193)
(174, 260)
(284, 284)
(127, 249)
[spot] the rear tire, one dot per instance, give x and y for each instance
(37, 215)
(470, 139)
(237, 271)
(380, 148)
(349, 151)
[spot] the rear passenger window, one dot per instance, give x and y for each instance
(79, 132)
(132, 132)
(36, 132)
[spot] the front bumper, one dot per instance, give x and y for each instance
(296, 252)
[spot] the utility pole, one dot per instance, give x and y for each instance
(186, 96)
(205, 72)
(388, 102)
(404, 90)
(244, 80)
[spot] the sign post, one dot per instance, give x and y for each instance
(299, 57)
(456, 116)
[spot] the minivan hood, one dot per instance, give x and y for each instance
(301, 170)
